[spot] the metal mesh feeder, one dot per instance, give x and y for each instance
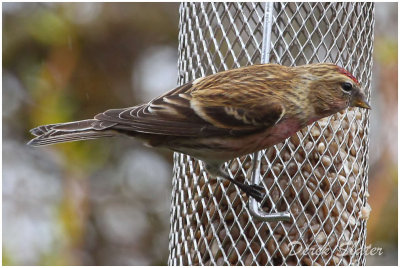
(319, 175)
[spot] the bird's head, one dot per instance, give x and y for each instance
(332, 89)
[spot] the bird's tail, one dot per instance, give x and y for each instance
(72, 131)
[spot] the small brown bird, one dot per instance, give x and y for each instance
(225, 115)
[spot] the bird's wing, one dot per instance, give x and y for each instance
(180, 113)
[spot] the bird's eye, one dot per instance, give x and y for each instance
(347, 87)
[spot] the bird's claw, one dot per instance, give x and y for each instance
(256, 186)
(255, 191)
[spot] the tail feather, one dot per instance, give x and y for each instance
(37, 131)
(72, 131)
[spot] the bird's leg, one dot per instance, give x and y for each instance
(253, 190)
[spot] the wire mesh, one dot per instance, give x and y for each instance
(319, 175)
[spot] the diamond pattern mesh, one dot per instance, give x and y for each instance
(319, 175)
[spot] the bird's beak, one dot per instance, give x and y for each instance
(359, 100)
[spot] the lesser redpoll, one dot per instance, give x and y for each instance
(224, 115)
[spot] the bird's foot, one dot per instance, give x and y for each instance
(253, 190)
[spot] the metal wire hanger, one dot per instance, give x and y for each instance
(254, 207)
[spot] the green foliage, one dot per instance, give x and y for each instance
(386, 50)
(7, 260)
(49, 28)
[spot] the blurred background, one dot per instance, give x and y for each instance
(106, 202)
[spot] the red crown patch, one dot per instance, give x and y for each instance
(349, 75)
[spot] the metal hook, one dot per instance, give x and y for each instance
(254, 208)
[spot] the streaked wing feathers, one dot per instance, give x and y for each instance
(177, 113)
(239, 118)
